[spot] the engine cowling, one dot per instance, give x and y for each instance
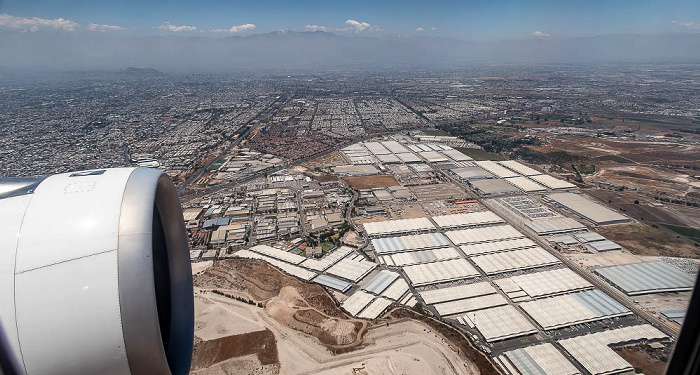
(95, 274)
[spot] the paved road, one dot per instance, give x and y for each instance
(263, 112)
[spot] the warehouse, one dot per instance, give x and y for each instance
(286, 267)
(497, 246)
(377, 148)
(551, 182)
(327, 261)
(357, 302)
(433, 156)
(456, 155)
(514, 260)
(278, 254)
(407, 243)
(394, 147)
(471, 173)
(452, 293)
(476, 235)
(493, 186)
(499, 323)
(526, 207)
(408, 157)
(593, 351)
(350, 269)
(389, 159)
(467, 219)
(191, 213)
(421, 256)
(605, 245)
(380, 281)
(436, 272)
(398, 226)
(525, 184)
(548, 283)
(332, 283)
(557, 225)
(496, 169)
(646, 278)
(575, 308)
(376, 308)
(396, 290)
(588, 209)
(542, 359)
(470, 304)
(520, 168)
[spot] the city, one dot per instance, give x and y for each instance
(484, 220)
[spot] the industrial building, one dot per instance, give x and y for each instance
(493, 186)
(496, 169)
(549, 283)
(498, 323)
(593, 351)
(551, 182)
(586, 208)
(542, 359)
(569, 309)
(514, 260)
(483, 234)
(420, 256)
(644, 278)
(497, 246)
(441, 271)
(390, 245)
(467, 219)
(520, 168)
(398, 226)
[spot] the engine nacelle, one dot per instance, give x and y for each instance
(95, 275)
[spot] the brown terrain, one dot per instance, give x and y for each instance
(371, 182)
(645, 359)
(642, 239)
(261, 321)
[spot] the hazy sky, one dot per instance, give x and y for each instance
(480, 20)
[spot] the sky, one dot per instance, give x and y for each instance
(468, 20)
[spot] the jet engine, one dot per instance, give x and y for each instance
(95, 275)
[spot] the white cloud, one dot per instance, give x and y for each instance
(690, 25)
(169, 27)
(540, 34)
(34, 24)
(316, 28)
(236, 29)
(98, 27)
(435, 28)
(420, 29)
(358, 27)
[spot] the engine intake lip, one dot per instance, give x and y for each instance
(154, 271)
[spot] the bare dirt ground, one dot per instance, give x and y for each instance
(311, 335)
(643, 239)
(329, 160)
(646, 360)
(660, 153)
(371, 182)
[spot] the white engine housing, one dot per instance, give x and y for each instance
(95, 275)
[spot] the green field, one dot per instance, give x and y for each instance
(326, 246)
(691, 233)
(478, 154)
